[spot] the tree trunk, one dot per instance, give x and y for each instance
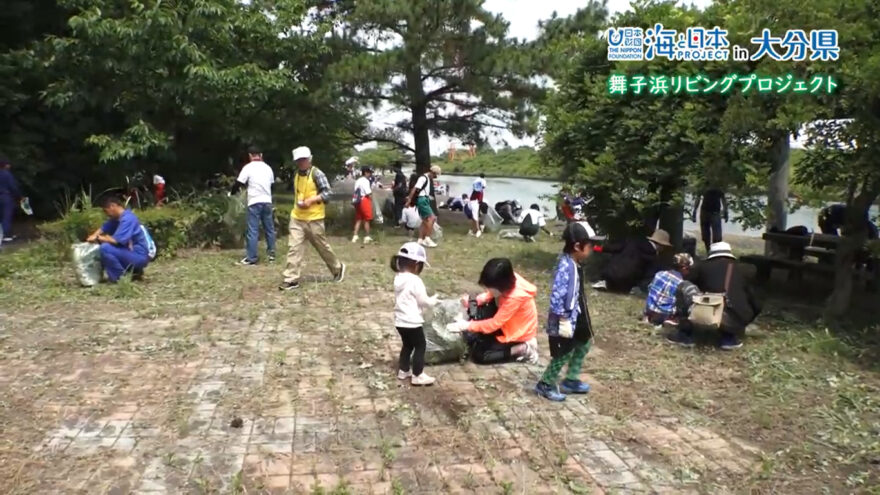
(421, 138)
(777, 192)
(671, 215)
(419, 109)
(855, 233)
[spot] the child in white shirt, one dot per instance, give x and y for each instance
(410, 298)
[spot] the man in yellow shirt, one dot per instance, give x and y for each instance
(311, 190)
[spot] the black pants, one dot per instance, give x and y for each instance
(413, 345)
(487, 350)
(528, 230)
(399, 204)
(710, 228)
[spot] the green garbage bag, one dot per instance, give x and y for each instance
(444, 346)
(87, 262)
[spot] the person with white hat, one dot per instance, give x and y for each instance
(350, 164)
(311, 190)
(719, 273)
(636, 263)
(410, 299)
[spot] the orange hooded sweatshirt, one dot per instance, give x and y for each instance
(517, 315)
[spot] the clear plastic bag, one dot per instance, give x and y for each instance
(438, 232)
(378, 219)
(444, 346)
(492, 220)
(87, 262)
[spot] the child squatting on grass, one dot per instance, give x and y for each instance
(568, 324)
(410, 298)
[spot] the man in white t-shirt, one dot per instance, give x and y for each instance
(477, 192)
(421, 197)
(258, 177)
(362, 200)
(531, 222)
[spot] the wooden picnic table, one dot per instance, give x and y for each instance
(821, 246)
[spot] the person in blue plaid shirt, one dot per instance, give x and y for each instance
(661, 303)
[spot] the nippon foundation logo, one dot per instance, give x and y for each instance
(708, 44)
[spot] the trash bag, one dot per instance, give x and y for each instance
(87, 261)
(438, 232)
(444, 346)
(510, 234)
(378, 219)
(388, 208)
(491, 220)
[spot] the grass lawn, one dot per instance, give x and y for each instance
(202, 341)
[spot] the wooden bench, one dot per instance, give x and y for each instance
(796, 268)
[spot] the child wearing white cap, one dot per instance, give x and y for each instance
(410, 299)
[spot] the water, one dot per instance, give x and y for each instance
(528, 191)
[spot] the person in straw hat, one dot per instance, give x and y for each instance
(741, 306)
(635, 265)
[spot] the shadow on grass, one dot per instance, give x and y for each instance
(534, 259)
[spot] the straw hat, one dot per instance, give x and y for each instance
(661, 237)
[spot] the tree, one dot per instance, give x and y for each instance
(193, 83)
(633, 166)
(842, 153)
(447, 63)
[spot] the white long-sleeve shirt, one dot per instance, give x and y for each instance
(410, 298)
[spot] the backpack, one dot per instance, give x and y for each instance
(356, 197)
(151, 244)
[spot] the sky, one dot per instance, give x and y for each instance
(523, 16)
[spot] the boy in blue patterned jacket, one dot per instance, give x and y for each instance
(568, 324)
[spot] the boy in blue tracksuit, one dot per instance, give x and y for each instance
(10, 194)
(568, 324)
(123, 244)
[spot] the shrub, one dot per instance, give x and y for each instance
(74, 226)
(218, 220)
(169, 227)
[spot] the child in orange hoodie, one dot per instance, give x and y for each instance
(510, 334)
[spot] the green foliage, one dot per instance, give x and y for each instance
(506, 162)
(217, 220)
(381, 156)
(176, 87)
(450, 64)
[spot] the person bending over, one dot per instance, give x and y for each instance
(124, 245)
(510, 333)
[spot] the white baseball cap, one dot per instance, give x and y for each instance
(414, 251)
(301, 152)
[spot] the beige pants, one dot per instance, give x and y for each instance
(300, 232)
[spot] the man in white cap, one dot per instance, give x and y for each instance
(311, 190)
(720, 274)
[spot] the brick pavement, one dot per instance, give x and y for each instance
(329, 413)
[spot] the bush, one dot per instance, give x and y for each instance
(169, 227)
(218, 220)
